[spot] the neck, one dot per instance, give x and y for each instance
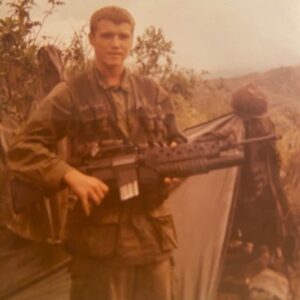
(112, 75)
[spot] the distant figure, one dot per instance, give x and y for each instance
(262, 208)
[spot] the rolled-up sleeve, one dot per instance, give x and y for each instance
(32, 154)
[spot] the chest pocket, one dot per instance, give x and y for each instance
(92, 114)
(152, 121)
(94, 123)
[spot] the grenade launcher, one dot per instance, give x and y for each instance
(128, 166)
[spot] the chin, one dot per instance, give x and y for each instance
(114, 63)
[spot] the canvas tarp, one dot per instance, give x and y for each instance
(202, 206)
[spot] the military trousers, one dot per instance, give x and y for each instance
(94, 279)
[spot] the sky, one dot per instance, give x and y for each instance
(225, 37)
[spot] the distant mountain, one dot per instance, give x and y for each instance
(282, 85)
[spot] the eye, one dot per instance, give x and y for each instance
(124, 36)
(107, 35)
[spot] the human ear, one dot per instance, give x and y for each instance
(91, 38)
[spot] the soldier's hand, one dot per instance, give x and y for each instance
(172, 180)
(88, 189)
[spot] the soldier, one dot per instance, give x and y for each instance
(262, 209)
(120, 249)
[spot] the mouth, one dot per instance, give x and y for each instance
(114, 54)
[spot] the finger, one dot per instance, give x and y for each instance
(104, 187)
(99, 193)
(167, 180)
(175, 179)
(85, 205)
(95, 196)
(101, 189)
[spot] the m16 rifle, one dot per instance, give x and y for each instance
(126, 166)
(135, 165)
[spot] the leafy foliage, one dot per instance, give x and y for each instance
(196, 99)
(153, 57)
(18, 50)
(287, 120)
(77, 53)
(153, 54)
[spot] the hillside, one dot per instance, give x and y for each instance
(282, 87)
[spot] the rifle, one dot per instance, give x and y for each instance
(126, 166)
(135, 165)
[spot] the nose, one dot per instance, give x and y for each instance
(116, 41)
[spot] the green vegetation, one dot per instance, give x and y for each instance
(196, 99)
(18, 52)
(287, 119)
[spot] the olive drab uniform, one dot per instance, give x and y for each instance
(263, 208)
(141, 237)
(136, 232)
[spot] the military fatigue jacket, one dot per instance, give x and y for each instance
(83, 109)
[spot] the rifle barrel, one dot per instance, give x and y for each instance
(259, 139)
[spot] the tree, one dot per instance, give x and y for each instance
(76, 55)
(18, 51)
(153, 57)
(153, 54)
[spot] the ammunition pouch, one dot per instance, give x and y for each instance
(152, 122)
(95, 235)
(163, 223)
(146, 232)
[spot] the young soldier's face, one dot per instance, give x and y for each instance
(112, 43)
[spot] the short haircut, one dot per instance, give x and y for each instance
(112, 13)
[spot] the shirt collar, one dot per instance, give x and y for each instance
(124, 85)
